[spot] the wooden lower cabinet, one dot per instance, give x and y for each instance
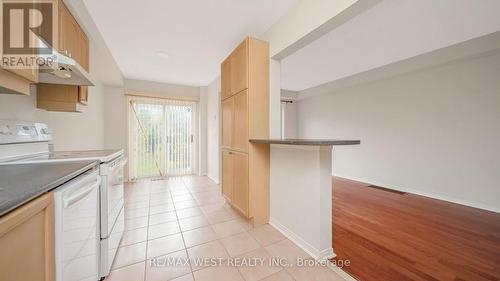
(227, 175)
(240, 182)
(27, 242)
(235, 180)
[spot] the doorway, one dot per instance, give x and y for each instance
(161, 137)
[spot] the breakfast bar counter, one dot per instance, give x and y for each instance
(301, 191)
(306, 141)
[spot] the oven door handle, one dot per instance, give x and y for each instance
(120, 164)
(77, 197)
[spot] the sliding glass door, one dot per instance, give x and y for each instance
(179, 139)
(160, 137)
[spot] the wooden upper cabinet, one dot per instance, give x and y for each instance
(11, 83)
(84, 60)
(75, 52)
(83, 94)
(225, 78)
(58, 41)
(54, 97)
(27, 242)
(234, 71)
(240, 126)
(84, 50)
(19, 83)
(69, 42)
(63, 24)
(29, 74)
(72, 42)
(227, 123)
(239, 68)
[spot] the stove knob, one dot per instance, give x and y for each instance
(4, 130)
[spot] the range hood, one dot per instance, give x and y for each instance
(63, 70)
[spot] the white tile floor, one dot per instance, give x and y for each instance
(186, 218)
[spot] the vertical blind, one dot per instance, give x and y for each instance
(160, 137)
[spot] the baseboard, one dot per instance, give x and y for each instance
(345, 276)
(301, 243)
(216, 180)
(426, 194)
(318, 255)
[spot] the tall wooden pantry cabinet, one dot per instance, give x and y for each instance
(244, 116)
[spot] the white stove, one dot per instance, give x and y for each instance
(61, 156)
(26, 142)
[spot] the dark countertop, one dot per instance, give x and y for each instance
(20, 183)
(306, 141)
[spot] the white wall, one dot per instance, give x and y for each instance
(290, 113)
(164, 89)
(434, 132)
(301, 21)
(80, 131)
(304, 23)
(291, 128)
(72, 131)
(104, 122)
(115, 118)
(77, 131)
(213, 133)
(116, 113)
(202, 132)
(103, 65)
(274, 98)
(391, 31)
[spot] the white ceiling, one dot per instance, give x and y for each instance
(196, 34)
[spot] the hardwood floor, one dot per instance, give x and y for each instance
(394, 236)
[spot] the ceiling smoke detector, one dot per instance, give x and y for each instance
(163, 55)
